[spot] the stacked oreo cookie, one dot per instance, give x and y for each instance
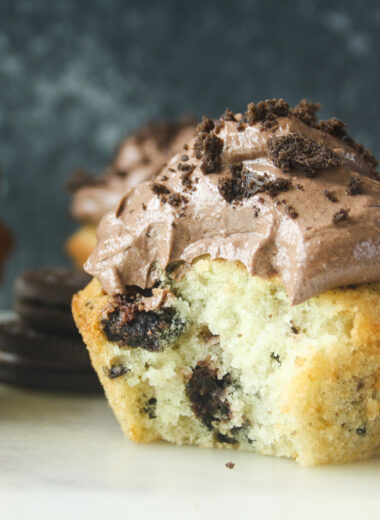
(42, 348)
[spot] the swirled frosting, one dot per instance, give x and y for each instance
(138, 158)
(272, 188)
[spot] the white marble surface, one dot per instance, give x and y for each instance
(64, 457)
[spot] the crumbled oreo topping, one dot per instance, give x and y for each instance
(160, 189)
(186, 180)
(295, 152)
(355, 186)
(330, 196)
(340, 216)
(228, 115)
(167, 197)
(243, 184)
(333, 126)
(208, 146)
(187, 168)
(201, 132)
(305, 111)
(212, 149)
(266, 112)
(291, 212)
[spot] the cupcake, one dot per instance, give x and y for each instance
(236, 296)
(138, 158)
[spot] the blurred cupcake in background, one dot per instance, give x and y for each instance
(139, 157)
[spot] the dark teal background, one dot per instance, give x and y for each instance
(75, 76)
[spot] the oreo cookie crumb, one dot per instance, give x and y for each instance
(126, 325)
(230, 465)
(206, 393)
(160, 189)
(212, 148)
(266, 112)
(167, 197)
(355, 186)
(340, 216)
(361, 431)
(243, 184)
(295, 152)
(150, 408)
(187, 168)
(221, 437)
(275, 357)
(295, 329)
(330, 196)
(228, 115)
(291, 212)
(174, 200)
(305, 111)
(337, 128)
(334, 127)
(186, 180)
(201, 132)
(116, 371)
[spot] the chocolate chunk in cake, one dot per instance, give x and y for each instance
(207, 395)
(126, 325)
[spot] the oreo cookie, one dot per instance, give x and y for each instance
(18, 338)
(24, 372)
(43, 298)
(42, 348)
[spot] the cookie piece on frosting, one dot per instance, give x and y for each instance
(237, 294)
(138, 158)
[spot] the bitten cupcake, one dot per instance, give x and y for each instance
(236, 296)
(138, 158)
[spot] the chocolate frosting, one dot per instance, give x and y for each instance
(315, 222)
(138, 158)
